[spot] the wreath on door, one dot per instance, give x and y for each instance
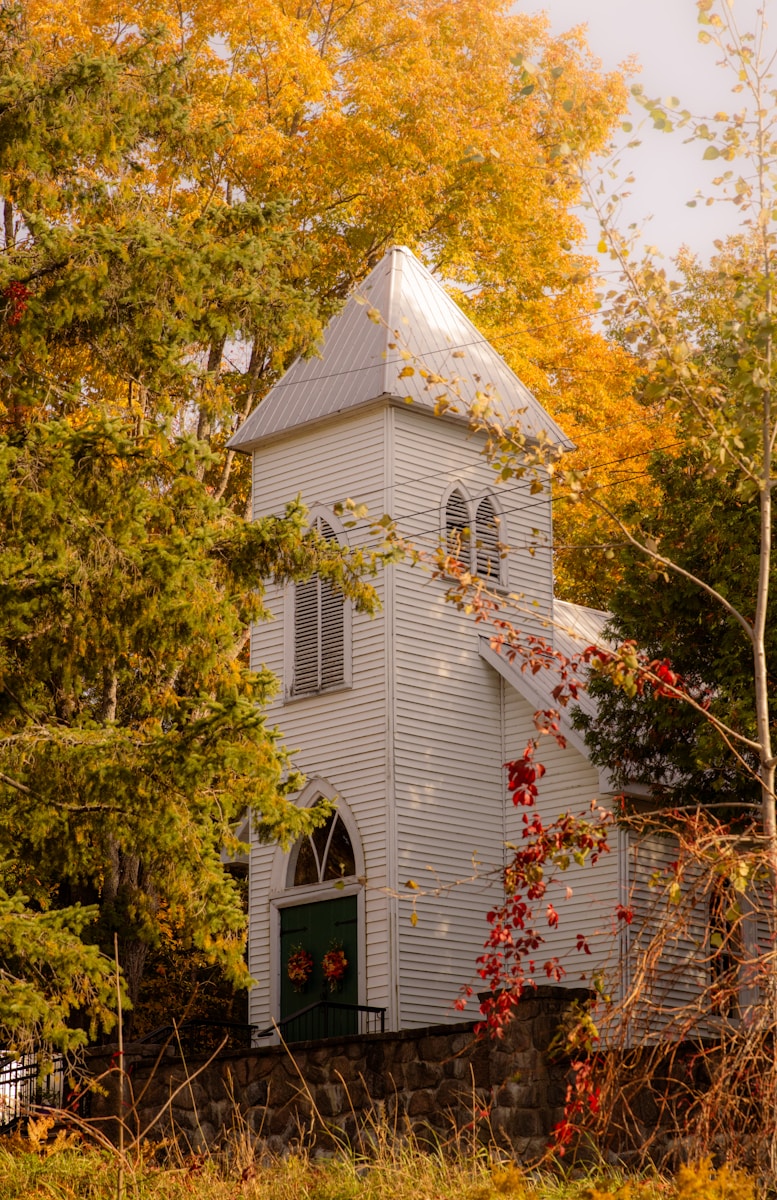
(299, 968)
(334, 964)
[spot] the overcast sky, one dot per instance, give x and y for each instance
(664, 36)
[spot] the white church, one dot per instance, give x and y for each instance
(405, 719)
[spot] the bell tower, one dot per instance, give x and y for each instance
(400, 718)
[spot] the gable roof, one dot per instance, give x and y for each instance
(574, 628)
(357, 365)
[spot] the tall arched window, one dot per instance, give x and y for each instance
(487, 560)
(319, 631)
(471, 530)
(457, 527)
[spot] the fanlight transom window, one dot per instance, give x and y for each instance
(472, 535)
(326, 855)
(319, 631)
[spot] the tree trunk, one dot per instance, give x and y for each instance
(254, 374)
(212, 372)
(9, 232)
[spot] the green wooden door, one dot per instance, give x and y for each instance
(315, 927)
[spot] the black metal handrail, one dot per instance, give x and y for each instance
(203, 1034)
(318, 1020)
(323, 1019)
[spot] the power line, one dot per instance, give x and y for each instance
(492, 493)
(536, 503)
(472, 466)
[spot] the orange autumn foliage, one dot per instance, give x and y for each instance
(440, 124)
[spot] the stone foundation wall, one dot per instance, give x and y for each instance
(436, 1082)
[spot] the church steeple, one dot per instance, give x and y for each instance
(398, 717)
(361, 361)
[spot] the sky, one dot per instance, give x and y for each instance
(663, 34)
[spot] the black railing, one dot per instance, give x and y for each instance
(23, 1087)
(197, 1037)
(326, 1019)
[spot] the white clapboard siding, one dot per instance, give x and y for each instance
(676, 987)
(448, 721)
(416, 745)
(338, 735)
(569, 785)
(668, 984)
(430, 456)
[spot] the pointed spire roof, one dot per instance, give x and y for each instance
(356, 363)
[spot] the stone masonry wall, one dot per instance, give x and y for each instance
(433, 1081)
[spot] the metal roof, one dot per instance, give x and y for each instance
(574, 627)
(356, 363)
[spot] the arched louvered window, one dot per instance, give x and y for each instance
(472, 529)
(319, 631)
(457, 531)
(327, 854)
(487, 561)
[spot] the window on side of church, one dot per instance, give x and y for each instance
(319, 632)
(472, 535)
(726, 947)
(487, 560)
(457, 532)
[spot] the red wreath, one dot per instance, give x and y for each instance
(334, 965)
(299, 968)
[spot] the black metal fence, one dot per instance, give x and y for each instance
(202, 1037)
(27, 1083)
(326, 1019)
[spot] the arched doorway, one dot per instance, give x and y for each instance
(320, 934)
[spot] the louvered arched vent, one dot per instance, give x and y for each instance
(457, 527)
(487, 561)
(319, 631)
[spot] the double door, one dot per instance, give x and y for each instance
(318, 927)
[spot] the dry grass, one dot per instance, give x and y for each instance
(66, 1169)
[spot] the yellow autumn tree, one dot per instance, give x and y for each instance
(440, 124)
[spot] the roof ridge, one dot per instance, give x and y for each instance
(396, 274)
